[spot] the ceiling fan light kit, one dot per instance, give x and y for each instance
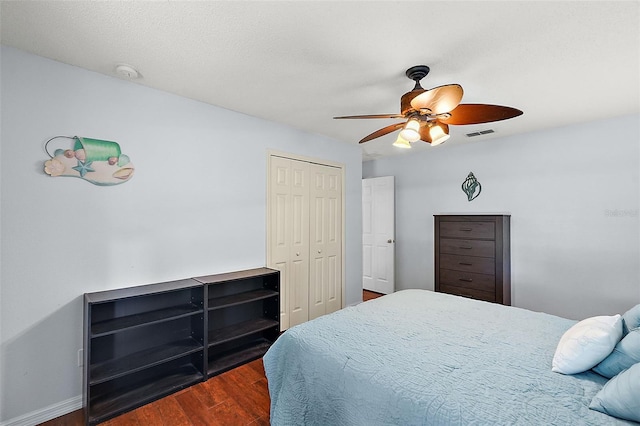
(411, 131)
(401, 142)
(428, 113)
(438, 135)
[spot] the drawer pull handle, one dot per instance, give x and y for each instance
(466, 229)
(465, 264)
(466, 280)
(465, 248)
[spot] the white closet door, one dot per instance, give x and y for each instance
(289, 246)
(325, 245)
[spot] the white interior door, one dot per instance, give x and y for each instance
(378, 234)
(325, 240)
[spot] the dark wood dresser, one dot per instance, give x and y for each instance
(472, 256)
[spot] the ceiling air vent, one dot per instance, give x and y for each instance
(481, 132)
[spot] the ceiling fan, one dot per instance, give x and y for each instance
(428, 113)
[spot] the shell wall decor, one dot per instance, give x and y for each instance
(97, 161)
(471, 187)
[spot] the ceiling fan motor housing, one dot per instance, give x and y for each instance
(416, 74)
(405, 101)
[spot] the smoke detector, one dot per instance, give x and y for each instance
(127, 71)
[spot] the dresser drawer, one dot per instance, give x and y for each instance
(480, 265)
(479, 248)
(470, 229)
(470, 280)
(468, 292)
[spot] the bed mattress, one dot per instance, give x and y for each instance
(417, 357)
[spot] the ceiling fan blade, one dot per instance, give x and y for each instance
(382, 132)
(480, 113)
(440, 99)
(371, 116)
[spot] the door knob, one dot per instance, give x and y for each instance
(319, 251)
(389, 240)
(297, 253)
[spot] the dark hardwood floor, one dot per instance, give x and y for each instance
(238, 397)
(368, 295)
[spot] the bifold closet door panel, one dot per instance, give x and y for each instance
(289, 225)
(325, 241)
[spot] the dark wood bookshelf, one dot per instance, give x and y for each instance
(228, 277)
(143, 343)
(236, 299)
(236, 331)
(150, 357)
(237, 356)
(243, 316)
(141, 290)
(109, 405)
(120, 324)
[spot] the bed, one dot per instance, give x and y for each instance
(417, 357)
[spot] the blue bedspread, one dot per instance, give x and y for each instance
(417, 357)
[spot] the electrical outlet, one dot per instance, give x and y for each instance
(80, 357)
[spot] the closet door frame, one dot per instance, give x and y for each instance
(289, 156)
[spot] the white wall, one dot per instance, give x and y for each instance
(573, 195)
(196, 205)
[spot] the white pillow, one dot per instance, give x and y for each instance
(586, 344)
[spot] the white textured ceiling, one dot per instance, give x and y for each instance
(302, 62)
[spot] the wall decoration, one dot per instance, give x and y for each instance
(97, 161)
(470, 186)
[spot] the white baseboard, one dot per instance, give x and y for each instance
(47, 413)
